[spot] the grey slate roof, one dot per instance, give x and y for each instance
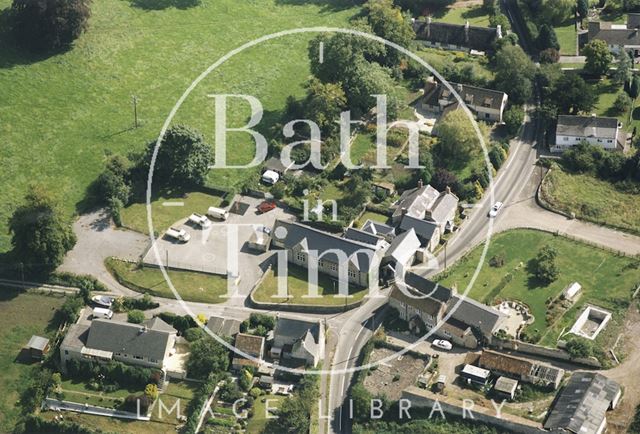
(423, 228)
(444, 205)
(416, 201)
(127, 338)
(157, 323)
(582, 405)
(403, 247)
(587, 126)
(76, 336)
(428, 287)
(471, 95)
(613, 36)
(289, 331)
(362, 236)
(360, 254)
(223, 326)
(476, 314)
(476, 38)
(377, 228)
(420, 301)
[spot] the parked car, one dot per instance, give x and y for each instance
(266, 230)
(218, 213)
(100, 312)
(178, 234)
(442, 344)
(266, 206)
(270, 177)
(495, 208)
(200, 220)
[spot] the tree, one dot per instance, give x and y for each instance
(457, 138)
(598, 57)
(501, 20)
(544, 267)
(207, 355)
(113, 182)
(324, 103)
(388, 22)
(151, 390)
(341, 52)
(365, 79)
(49, 25)
(550, 55)
(40, 234)
(135, 316)
(442, 179)
(557, 11)
(547, 38)
(582, 8)
(361, 402)
(183, 157)
(572, 95)
(579, 348)
(513, 118)
(634, 89)
(514, 73)
(623, 73)
(622, 103)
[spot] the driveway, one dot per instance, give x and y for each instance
(222, 248)
(99, 239)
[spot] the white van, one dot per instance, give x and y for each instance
(100, 312)
(218, 213)
(178, 234)
(270, 177)
(200, 220)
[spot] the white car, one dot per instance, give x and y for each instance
(200, 220)
(178, 234)
(442, 344)
(495, 208)
(270, 177)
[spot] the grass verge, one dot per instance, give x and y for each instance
(192, 286)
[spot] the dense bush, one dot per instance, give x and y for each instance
(135, 316)
(49, 25)
(113, 373)
(614, 166)
(180, 323)
(193, 334)
(69, 311)
(207, 355)
(34, 424)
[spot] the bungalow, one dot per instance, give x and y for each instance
(521, 369)
(617, 36)
(581, 407)
(148, 344)
(330, 252)
(298, 340)
(250, 345)
(486, 104)
(460, 37)
(603, 132)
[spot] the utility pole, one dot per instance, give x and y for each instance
(135, 111)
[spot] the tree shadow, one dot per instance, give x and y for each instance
(156, 5)
(12, 53)
(327, 5)
(475, 12)
(635, 114)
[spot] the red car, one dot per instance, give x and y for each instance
(266, 206)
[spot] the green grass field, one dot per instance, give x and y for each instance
(197, 287)
(257, 422)
(21, 315)
(568, 38)
(135, 215)
(298, 290)
(592, 199)
(607, 280)
(61, 115)
(476, 15)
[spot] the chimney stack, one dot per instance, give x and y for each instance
(429, 26)
(420, 184)
(448, 190)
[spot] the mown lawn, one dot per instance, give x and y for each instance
(568, 38)
(607, 93)
(178, 393)
(21, 315)
(592, 199)
(63, 114)
(113, 425)
(607, 280)
(258, 421)
(192, 286)
(164, 215)
(476, 15)
(373, 216)
(298, 289)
